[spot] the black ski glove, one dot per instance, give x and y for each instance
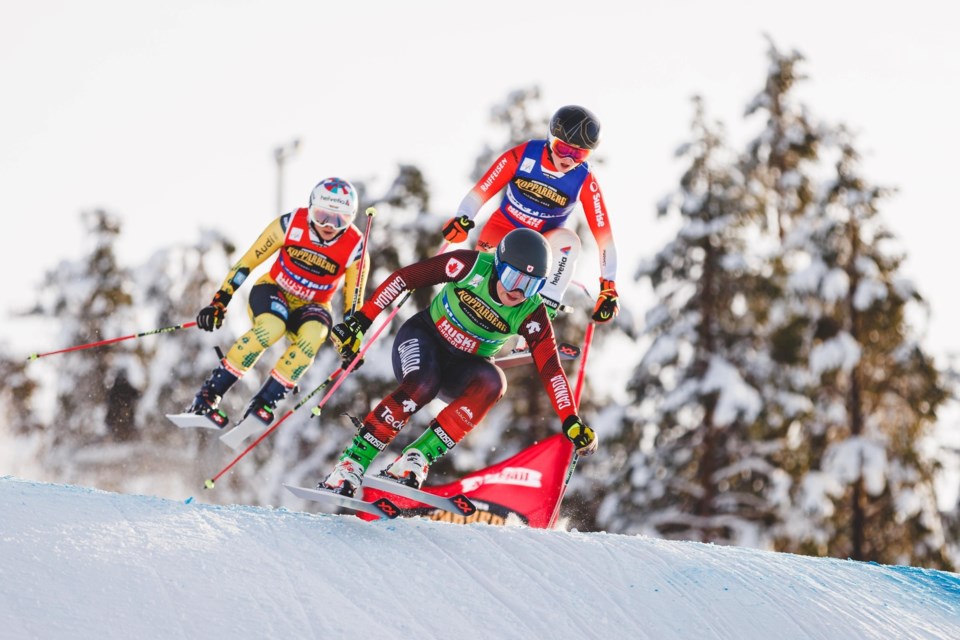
(582, 436)
(457, 228)
(347, 336)
(211, 316)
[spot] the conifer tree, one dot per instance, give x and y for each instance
(690, 469)
(863, 477)
(98, 388)
(17, 388)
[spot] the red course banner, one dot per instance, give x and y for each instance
(527, 486)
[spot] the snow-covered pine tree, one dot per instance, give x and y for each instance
(17, 417)
(864, 475)
(108, 430)
(171, 286)
(690, 467)
(98, 388)
(778, 161)
(826, 226)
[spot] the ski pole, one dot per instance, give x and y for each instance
(317, 409)
(371, 212)
(209, 483)
(34, 356)
(587, 340)
(581, 374)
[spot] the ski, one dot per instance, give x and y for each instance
(249, 426)
(566, 350)
(214, 420)
(381, 508)
(458, 504)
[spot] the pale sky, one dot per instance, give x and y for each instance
(167, 113)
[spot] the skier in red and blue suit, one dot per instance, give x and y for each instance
(542, 181)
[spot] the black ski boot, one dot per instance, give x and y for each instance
(266, 400)
(210, 394)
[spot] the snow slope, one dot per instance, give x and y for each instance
(82, 563)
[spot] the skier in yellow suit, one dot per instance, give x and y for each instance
(317, 248)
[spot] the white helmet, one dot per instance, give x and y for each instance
(333, 203)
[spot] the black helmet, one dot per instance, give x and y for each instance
(526, 251)
(577, 126)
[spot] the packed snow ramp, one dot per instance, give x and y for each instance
(82, 563)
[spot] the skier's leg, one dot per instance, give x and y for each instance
(493, 231)
(416, 364)
(565, 249)
(475, 385)
(269, 310)
(308, 326)
(266, 307)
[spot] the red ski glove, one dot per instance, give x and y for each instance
(457, 229)
(608, 303)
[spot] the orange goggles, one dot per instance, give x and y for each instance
(564, 150)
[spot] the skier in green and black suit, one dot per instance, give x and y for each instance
(448, 350)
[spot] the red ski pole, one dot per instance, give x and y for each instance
(587, 339)
(34, 356)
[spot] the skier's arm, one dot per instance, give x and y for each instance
(447, 267)
(591, 198)
(271, 239)
(598, 219)
(538, 332)
(495, 179)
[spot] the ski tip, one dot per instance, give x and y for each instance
(388, 508)
(464, 504)
(208, 484)
(188, 500)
